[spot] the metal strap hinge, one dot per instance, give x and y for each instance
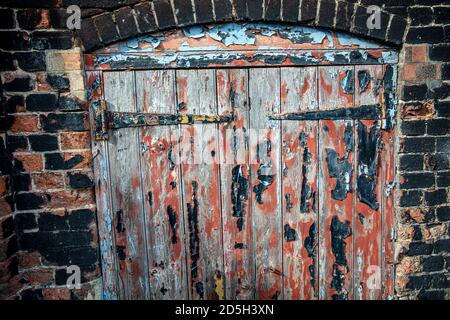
(364, 112)
(107, 120)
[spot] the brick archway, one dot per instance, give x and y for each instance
(132, 20)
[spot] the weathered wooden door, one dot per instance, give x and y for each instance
(269, 180)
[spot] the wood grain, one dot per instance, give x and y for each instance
(161, 182)
(336, 187)
(127, 197)
(201, 188)
(299, 184)
(232, 95)
(265, 154)
(105, 216)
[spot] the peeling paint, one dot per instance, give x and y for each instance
(219, 285)
(345, 39)
(194, 239)
(342, 170)
(348, 82)
(310, 244)
(239, 195)
(363, 80)
(339, 232)
(366, 181)
(289, 233)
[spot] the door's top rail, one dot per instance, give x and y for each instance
(240, 45)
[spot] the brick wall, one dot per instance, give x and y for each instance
(51, 224)
(47, 204)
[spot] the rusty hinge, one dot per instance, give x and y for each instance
(364, 112)
(107, 120)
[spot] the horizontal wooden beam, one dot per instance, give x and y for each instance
(232, 58)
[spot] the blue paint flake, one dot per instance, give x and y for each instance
(346, 39)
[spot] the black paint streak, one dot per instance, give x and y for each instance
(275, 296)
(361, 218)
(170, 157)
(348, 82)
(173, 223)
(264, 182)
(339, 232)
(341, 169)
(363, 80)
(287, 196)
(239, 245)
(199, 289)
(120, 227)
(239, 195)
(290, 234)
(302, 139)
(364, 112)
(390, 97)
(150, 198)
(349, 138)
(310, 246)
(181, 106)
(121, 252)
(163, 290)
(366, 182)
(377, 87)
(194, 240)
(305, 192)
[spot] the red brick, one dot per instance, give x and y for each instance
(71, 199)
(85, 163)
(75, 140)
(29, 260)
(56, 294)
(419, 53)
(5, 207)
(419, 71)
(417, 110)
(409, 71)
(42, 84)
(25, 123)
(3, 186)
(48, 181)
(30, 162)
(40, 277)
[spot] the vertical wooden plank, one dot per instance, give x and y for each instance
(388, 213)
(105, 218)
(336, 147)
(388, 182)
(232, 93)
(265, 155)
(367, 226)
(160, 175)
(201, 187)
(127, 200)
(299, 184)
